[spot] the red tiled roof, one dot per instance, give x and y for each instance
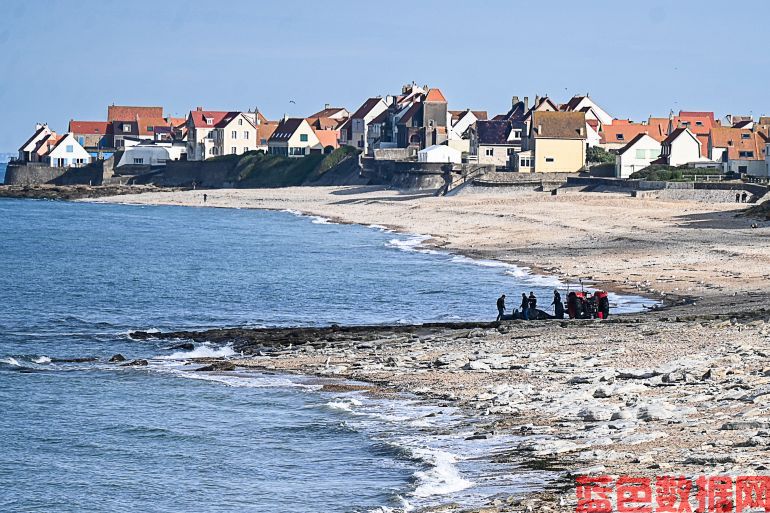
(126, 113)
(737, 140)
(90, 127)
(435, 95)
(217, 116)
(328, 138)
(624, 132)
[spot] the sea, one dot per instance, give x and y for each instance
(77, 278)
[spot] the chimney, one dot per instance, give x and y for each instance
(537, 100)
(539, 129)
(526, 103)
(514, 101)
(199, 109)
(38, 126)
(326, 106)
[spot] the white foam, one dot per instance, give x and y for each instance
(344, 404)
(10, 361)
(442, 477)
(42, 359)
(202, 351)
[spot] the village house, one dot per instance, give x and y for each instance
(459, 133)
(95, 136)
(338, 114)
(29, 151)
(212, 133)
(494, 142)
(557, 141)
(590, 108)
(355, 131)
(67, 152)
(617, 135)
(294, 137)
(141, 152)
(679, 148)
(738, 150)
(425, 123)
(639, 153)
(133, 121)
(699, 123)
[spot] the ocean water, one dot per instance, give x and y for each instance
(75, 278)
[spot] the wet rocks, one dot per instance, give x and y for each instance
(136, 363)
(117, 358)
(185, 346)
(217, 366)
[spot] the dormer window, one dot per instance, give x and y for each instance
(699, 123)
(620, 137)
(209, 121)
(126, 127)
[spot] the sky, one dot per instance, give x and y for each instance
(62, 60)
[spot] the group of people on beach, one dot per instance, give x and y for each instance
(579, 305)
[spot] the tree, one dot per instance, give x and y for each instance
(597, 155)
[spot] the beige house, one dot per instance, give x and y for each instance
(213, 133)
(294, 137)
(558, 142)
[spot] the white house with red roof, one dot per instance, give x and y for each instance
(212, 133)
(679, 148)
(67, 152)
(639, 153)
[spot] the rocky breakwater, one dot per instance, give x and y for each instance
(72, 192)
(683, 392)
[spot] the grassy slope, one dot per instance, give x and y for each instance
(257, 170)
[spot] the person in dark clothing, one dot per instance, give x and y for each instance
(524, 306)
(532, 305)
(205, 197)
(501, 307)
(744, 197)
(558, 306)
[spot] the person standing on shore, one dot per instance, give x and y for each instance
(524, 306)
(501, 307)
(532, 305)
(205, 197)
(558, 306)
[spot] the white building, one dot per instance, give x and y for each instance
(681, 147)
(439, 153)
(294, 137)
(636, 155)
(29, 151)
(212, 133)
(153, 154)
(585, 104)
(67, 153)
(355, 132)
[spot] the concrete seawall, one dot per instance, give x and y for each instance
(712, 192)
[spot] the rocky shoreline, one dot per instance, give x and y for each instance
(74, 192)
(682, 390)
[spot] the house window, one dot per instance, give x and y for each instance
(620, 137)
(126, 127)
(489, 152)
(240, 121)
(746, 154)
(149, 129)
(296, 151)
(303, 137)
(743, 169)
(82, 141)
(745, 136)
(234, 134)
(209, 121)
(699, 123)
(517, 134)
(233, 150)
(245, 150)
(549, 159)
(245, 134)
(70, 148)
(525, 162)
(263, 141)
(138, 161)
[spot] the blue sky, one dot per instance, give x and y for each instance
(67, 59)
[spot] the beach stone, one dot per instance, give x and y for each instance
(187, 346)
(593, 414)
(117, 358)
(476, 365)
(737, 425)
(217, 366)
(548, 447)
(637, 374)
(622, 414)
(603, 392)
(136, 363)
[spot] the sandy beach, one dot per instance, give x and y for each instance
(649, 246)
(679, 391)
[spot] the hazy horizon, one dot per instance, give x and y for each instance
(291, 58)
